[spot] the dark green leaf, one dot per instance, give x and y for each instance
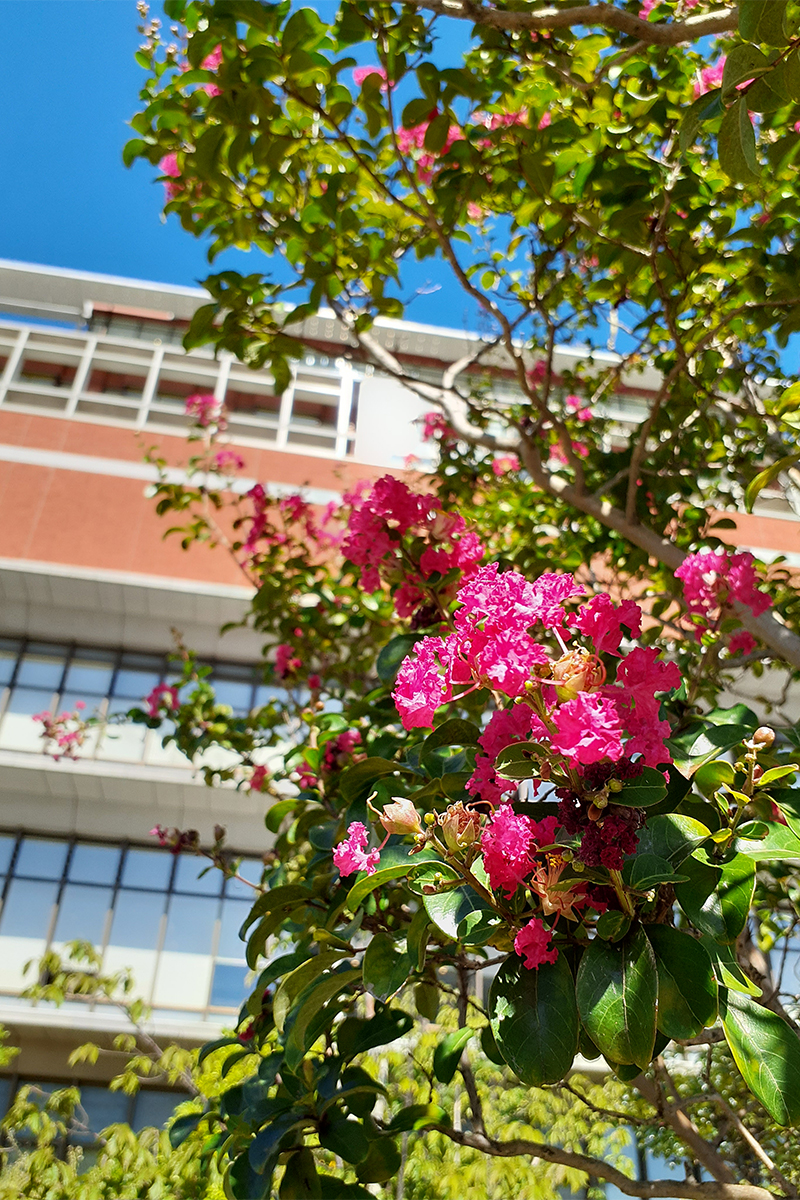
(687, 990)
(762, 21)
(534, 1019)
(648, 788)
(181, 1127)
(386, 966)
(705, 108)
(617, 994)
(392, 655)
(344, 1137)
(518, 761)
(417, 1116)
(727, 971)
(300, 1180)
(672, 836)
(717, 896)
(767, 1052)
(358, 781)
(356, 1036)
(646, 871)
(447, 1054)
(381, 1163)
(448, 909)
(742, 62)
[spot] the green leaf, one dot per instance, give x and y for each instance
(392, 656)
(450, 733)
(648, 788)
(300, 1180)
(344, 1137)
(436, 133)
(447, 1054)
(766, 477)
(742, 62)
(337, 1189)
(717, 896)
(357, 781)
(312, 1004)
(705, 108)
(208, 150)
(489, 1047)
(448, 909)
(417, 1116)
(382, 1162)
(710, 777)
(417, 939)
(518, 761)
(687, 989)
(383, 875)
(763, 21)
(766, 1050)
(534, 1019)
(672, 836)
(131, 151)
(210, 1047)
(265, 1147)
(181, 1127)
(780, 843)
(356, 1035)
(613, 925)
(617, 993)
(386, 966)
(426, 999)
(776, 773)
(646, 871)
(727, 971)
(298, 980)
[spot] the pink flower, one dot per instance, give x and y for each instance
(602, 620)
(712, 579)
(505, 463)
(169, 166)
(228, 462)
(421, 686)
(576, 406)
(537, 372)
(205, 409)
(362, 73)
(710, 77)
(508, 844)
(545, 121)
(474, 211)
(742, 643)
(434, 426)
(163, 697)
(589, 729)
(259, 777)
(549, 593)
(349, 855)
(286, 662)
(212, 61)
(647, 8)
(643, 673)
(314, 682)
(532, 944)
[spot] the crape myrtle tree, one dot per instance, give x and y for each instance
(502, 749)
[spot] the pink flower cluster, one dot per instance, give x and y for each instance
(286, 661)
(710, 77)
(349, 856)
(505, 463)
(713, 580)
(68, 731)
(435, 426)
(205, 410)
(162, 699)
(291, 510)
(338, 751)
(387, 513)
(169, 166)
(227, 462)
(411, 140)
(582, 719)
(212, 62)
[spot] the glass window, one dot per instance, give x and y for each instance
(187, 876)
(137, 920)
(41, 859)
(91, 673)
(251, 869)
(190, 924)
(9, 652)
(7, 844)
(5, 1096)
(102, 1108)
(147, 869)
(154, 1109)
(229, 987)
(237, 695)
(28, 909)
(27, 701)
(233, 915)
(42, 667)
(94, 864)
(82, 913)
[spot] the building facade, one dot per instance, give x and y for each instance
(92, 373)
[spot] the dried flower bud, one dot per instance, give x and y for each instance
(461, 827)
(577, 671)
(764, 737)
(401, 817)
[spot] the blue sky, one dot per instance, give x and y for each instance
(68, 87)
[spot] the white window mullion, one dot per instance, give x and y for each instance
(80, 375)
(12, 366)
(345, 407)
(150, 386)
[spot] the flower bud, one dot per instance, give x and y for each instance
(401, 817)
(764, 737)
(577, 671)
(460, 827)
(615, 785)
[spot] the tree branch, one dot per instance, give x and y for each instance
(607, 16)
(597, 1169)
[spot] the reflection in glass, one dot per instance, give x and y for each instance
(190, 924)
(229, 987)
(6, 851)
(82, 913)
(103, 1108)
(41, 859)
(94, 864)
(27, 701)
(137, 920)
(154, 1109)
(187, 876)
(28, 909)
(147, 869)
(42, 667)
(233, 915)
(91, 673)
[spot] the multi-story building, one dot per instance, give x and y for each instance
(92, 372)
